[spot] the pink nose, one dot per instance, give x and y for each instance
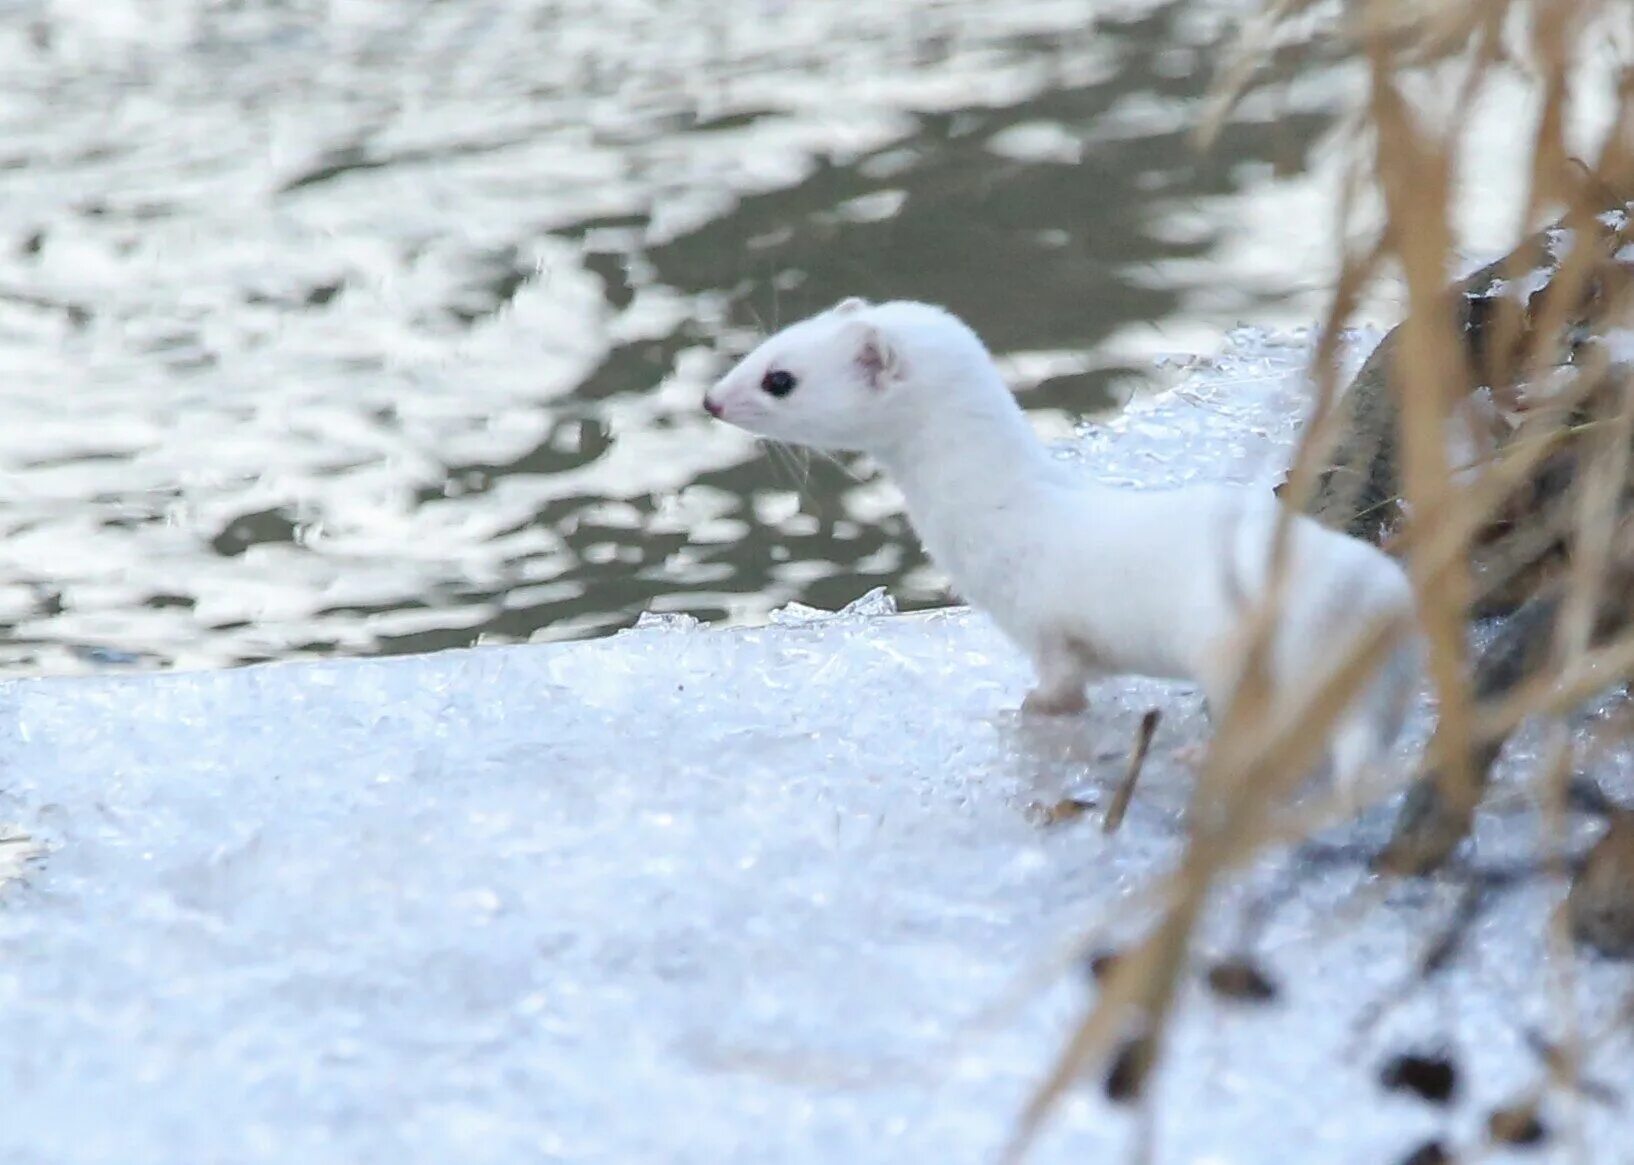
(712, 407)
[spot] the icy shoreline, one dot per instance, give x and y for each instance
(695, 896)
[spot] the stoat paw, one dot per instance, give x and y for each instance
(1040, 702)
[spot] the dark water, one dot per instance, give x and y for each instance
(364, 328)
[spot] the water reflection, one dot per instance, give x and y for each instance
(385, 331)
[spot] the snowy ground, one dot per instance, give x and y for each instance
(701, 896)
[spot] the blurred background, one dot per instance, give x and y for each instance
(358, 327)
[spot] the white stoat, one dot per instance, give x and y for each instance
(1089, 580)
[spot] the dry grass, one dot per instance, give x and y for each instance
(1426, 64)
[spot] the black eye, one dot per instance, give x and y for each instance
(778, 383)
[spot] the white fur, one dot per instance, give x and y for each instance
(1089, 580)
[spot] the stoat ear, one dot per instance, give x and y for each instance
(876, 356)
(851, 304)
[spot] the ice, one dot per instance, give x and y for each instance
(874, 603)
(683, 895)
(1523, 289)
(652, 620)
(1232, 418)
(1619, 345)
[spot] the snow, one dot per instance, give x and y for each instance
(1619, 345)
(1522, 290)
(691, 895)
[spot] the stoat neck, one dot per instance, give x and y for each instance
(977, 456)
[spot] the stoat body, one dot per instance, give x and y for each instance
(1089, 580)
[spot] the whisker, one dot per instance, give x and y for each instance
(782, 461)
(771, 456)
(837, 463)
(800, 457)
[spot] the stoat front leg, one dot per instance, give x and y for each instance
(1064, 669)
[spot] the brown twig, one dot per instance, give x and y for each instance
(1126, 787)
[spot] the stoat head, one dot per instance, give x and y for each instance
(855, 377)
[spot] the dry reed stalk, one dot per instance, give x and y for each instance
(1260, 751)
(1414, 173)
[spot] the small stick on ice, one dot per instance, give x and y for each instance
(1137, 758)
